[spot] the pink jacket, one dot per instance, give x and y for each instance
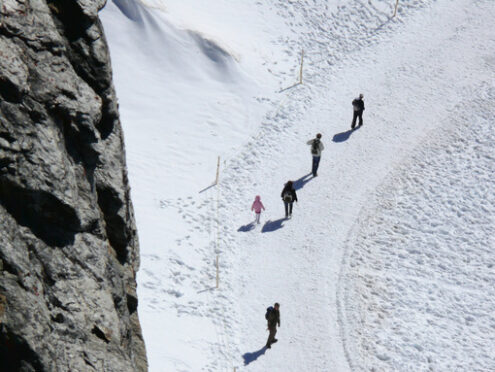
(257, 205)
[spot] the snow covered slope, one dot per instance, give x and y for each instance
(417, 285)
(198, 79)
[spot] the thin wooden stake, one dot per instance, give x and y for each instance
(301, 70)
(218, 171)
(396, 5)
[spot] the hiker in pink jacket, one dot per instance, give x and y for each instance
(256, 207)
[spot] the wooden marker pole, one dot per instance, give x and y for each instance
(218, 171)
(396, 5)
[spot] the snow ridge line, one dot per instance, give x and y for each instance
(446, 134)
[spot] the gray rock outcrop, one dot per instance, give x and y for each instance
(68, 241)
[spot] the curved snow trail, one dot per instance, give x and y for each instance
(412, 82)
(417, 284)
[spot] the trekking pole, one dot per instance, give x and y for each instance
(301, 69)
(218, 171)
(396, 5)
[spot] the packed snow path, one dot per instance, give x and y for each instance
(417, 76)
(418, 275)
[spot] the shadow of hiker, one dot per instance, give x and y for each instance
(247, 227)
(299, 184)
(251, 357)
(344, 136)
(272, 225)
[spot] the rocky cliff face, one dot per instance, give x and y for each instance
(68, 242)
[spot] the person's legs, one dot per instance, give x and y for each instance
(271, 337)
(290, 208)
(354, 117)
(258, 217)
(286, 205)
(316, 163)
(360, 118)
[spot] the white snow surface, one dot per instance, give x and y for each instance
(388, 261)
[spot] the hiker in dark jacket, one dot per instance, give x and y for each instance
(288, 196)
(273, 319)
(316, 149)
(358, 106)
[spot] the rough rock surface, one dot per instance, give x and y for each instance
(68, 242)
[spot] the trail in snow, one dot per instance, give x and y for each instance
(298, 263)
(414, 71)
(418, 277)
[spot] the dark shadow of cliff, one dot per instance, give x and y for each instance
(48, 218)
(16, 353)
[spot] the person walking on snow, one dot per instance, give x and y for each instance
(273, 318)
(289, 197)
(358, 105)
(257, 207)
(316, 149)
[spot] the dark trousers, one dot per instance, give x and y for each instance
(288, 208)
(357, 114)
(271, 336)
(316, 163)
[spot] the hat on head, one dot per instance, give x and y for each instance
(318, 135)
(361, 95)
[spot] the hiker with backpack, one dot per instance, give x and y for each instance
(256, 207)
(358, 106)
(316, 149)
(273, 318)
(288, 197)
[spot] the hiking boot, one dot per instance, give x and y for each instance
(268, 346)
(274, 340)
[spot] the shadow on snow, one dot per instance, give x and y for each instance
(273, 225)
(299, 184)
(251, 357)
(247, 227)
(344, 136)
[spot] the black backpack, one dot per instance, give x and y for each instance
(315, 146)
(287, 196)
(268, 311)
